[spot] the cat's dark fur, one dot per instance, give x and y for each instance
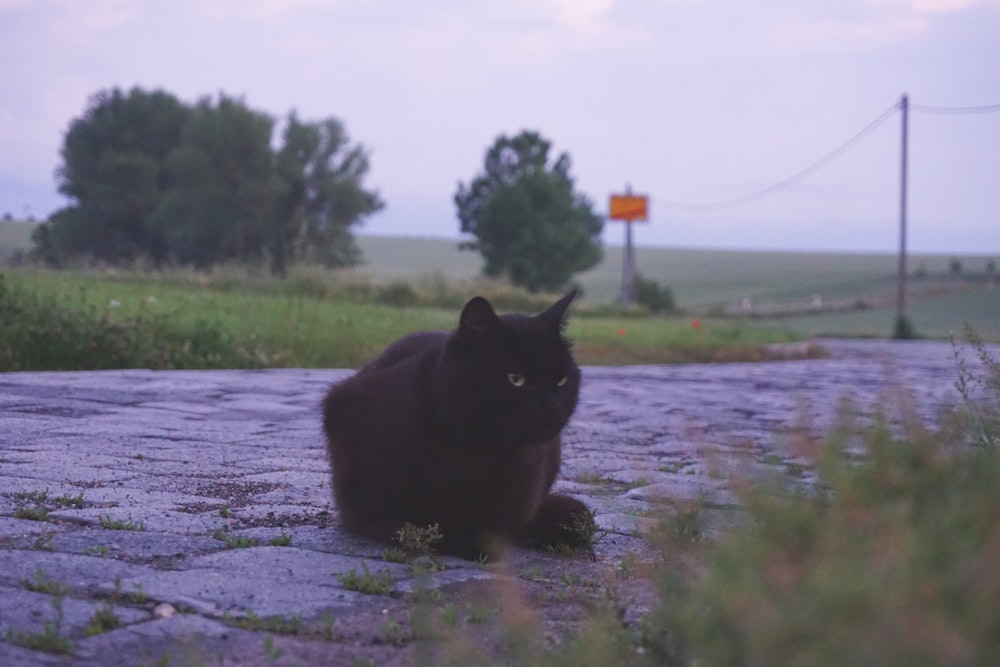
(462, 430)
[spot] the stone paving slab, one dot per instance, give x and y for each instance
(197, 503)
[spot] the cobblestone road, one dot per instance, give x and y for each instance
(196, 504)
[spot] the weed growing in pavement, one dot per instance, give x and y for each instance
(44, 542)
(32, 513)
(103, 620)
(108, 523)
(419, 539)
(284, 625)
(66, 500)
(395, 555)
(367, 583)
(32, 496)
(42, 584)
(587, 535)
(282, 540)
(239, 541)
(50, 639)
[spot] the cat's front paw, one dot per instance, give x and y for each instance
(561, 522)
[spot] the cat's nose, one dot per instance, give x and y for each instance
(548, 401)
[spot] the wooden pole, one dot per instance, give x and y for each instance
(628, 262)
(901, 290)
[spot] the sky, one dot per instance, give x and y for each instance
(687, 101)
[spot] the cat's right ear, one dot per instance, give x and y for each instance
(477, 317)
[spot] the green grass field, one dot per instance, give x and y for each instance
(716, 281)
(258, 327)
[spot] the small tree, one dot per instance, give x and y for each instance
(528, 222)
(319, 194)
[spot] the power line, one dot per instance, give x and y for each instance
(830, 157)
(929, 108)
(781, 185)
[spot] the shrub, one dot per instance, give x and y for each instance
(39, 333)
(651, 294)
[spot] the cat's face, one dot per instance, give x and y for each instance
(513, 375)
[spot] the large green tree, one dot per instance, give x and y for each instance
(113, 168)
(221, 184)
(149, 176)
(528, 221)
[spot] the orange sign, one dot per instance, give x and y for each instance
(631, 208)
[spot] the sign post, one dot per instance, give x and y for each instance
(628, 208)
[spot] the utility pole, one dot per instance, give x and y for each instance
(902, 328)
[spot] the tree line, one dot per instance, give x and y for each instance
(150, 177)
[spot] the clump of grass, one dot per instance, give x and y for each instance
(108, 523)
(283, 625)
(44, 542)
(584, 534)
(239, 541)
(419, 539)
(42, 584)
(395, 555)
(103, 620)
(33, 496)
(590, 477)
(282, 540)
(367, 583)
(50, 639)
(32, 513)
(67, 500)
(980, 392)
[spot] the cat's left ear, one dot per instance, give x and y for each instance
(555, 315)
(478, 317)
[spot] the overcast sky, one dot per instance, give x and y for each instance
(691, 101)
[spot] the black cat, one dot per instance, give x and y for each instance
(462, 430)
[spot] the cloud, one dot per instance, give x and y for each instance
(82, 21)
(844, 33)
(263, 9)
(581, 15)
(935, 6)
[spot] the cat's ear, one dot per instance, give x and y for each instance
(555, 315)
(477, 317)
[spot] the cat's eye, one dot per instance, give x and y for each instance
(515, 379)
(562, 382)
